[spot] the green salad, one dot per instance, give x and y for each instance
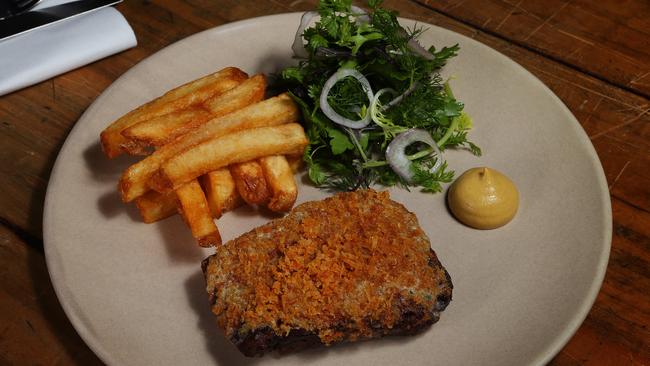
(376, 109)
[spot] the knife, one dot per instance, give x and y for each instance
(36, 19)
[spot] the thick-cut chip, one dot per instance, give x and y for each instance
(250, 182)
(161, 130)
(236, 147)
(221, 192)
(279, 178)
(154, 206)
(194, 209)
(249, 92)
(182, 97)
(270, 112)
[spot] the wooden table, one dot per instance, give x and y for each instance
(595, 55)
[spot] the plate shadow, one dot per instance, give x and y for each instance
(110, 205)
(180, 245)
(103, 169)
(223, 351)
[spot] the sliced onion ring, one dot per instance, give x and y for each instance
(298, 46)
(399, 98)
(396, 152)
(331, 113)
(416, 47)
(392, 103)
(375, 101)
(363, 17)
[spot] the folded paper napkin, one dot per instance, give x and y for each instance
(38, 55)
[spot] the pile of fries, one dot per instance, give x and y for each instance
(212, 145)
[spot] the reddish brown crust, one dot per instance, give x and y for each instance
(354, 266)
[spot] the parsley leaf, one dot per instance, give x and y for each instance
(340, 158)
(339, 141)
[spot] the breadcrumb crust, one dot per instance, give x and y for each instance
(340, 268)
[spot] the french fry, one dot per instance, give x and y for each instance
(270, 112)
(221, 192)
(154, 206)
(219, 152)
(279, 178)
(193, 207)
(182, 97)
(250, 182)
(249, 92)
(161, 130)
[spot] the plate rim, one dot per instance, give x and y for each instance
(544, 355)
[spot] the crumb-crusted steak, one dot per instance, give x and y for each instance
(353, 266)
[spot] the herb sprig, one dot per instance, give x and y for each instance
(341, 158)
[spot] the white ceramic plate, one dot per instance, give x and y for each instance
(135, 292)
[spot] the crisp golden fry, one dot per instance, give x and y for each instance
(161, 130)
(221, 192)
(249, 92)
(193, 207)
(250, 182)
(182, 97)
(236, 147)
(280, 181)
(270, 112)
(154, 206)
(216, 129)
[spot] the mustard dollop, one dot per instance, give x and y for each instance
(483, 198)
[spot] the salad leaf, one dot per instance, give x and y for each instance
(389, 56)
(339, 142)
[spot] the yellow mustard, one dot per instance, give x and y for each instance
(483, 198)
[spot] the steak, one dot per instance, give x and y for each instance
(354, 266)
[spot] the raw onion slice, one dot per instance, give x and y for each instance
(375, 102)
(416, 47)
(396, 152)
(399, 98)
(331, 113)
(375, 108)
(298, 46)
(363, 17)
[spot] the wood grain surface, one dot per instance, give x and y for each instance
(595, 55)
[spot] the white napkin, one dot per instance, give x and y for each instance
(52, 50)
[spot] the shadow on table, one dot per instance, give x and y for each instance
(47, 304)
(33, 235)
(76, 351)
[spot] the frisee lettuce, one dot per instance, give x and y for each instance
(344, 159)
